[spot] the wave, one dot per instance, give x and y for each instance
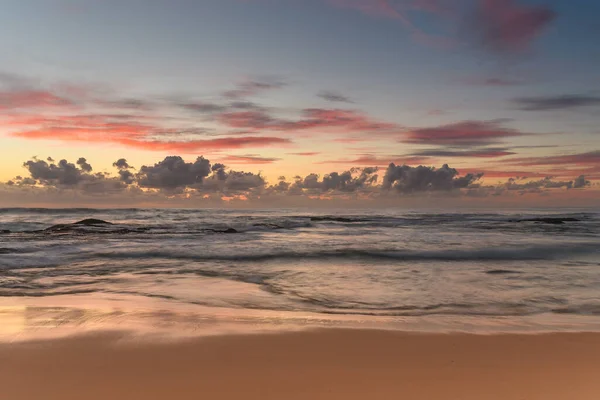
(77, 210)
(544, 252)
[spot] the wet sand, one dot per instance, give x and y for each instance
(325, 364)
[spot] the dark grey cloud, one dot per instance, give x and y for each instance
(173, 173)
(581, 182)
(204, 108)
(346, 182)
(63, 173)
(126, 176)
(173, 177)
(245, 105)
(334, 97)
(536, 185)
(66, 175)
(231, 182)
(122, 163)
(83, 164)
(406, 179)
(552, 103)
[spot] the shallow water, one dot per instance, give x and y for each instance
(358, 266)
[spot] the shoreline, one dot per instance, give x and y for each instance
(25, 319)
(316, 364)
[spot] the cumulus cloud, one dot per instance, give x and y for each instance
(346, 182)
(65, 175)
(121, 164)
(84, 165)
(581, 182)
(173, 173)
(406, 179)
(174, 177)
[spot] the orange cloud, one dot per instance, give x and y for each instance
(104, 129)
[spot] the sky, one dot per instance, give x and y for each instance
(198, 102)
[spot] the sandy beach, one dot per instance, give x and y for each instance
(324, 364)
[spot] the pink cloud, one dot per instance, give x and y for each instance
(466, 133)
(31, 99)
(312, 118)
(104, 129)
(508, 27)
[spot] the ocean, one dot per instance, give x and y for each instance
(189, 270)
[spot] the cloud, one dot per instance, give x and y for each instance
(591, 158)
(546, 183)
(345, 182)
(305, 153)
(136, 134)
(231, 182)
(83, 164)
(505, 26)
(204, 108)
(248, 159)
(494, 82)
(406, 179)
(371, 159)
(122, 164)
(173, 173)
(476, 153)
(312, 118)
(175, 179)
(465, 133)
(399, 10)
(191, 146)
(66, 175)
(253, 87)
(334, 97)
(14, 100)
(580, 182)
(552, 103)
(63, 173)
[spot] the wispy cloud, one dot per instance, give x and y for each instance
(379, 160)
(253, 87)
(312, 118)
(249, 159)
(334, 97)
(465, 133)
(505, 26)
(552, 103)
(476, 153)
